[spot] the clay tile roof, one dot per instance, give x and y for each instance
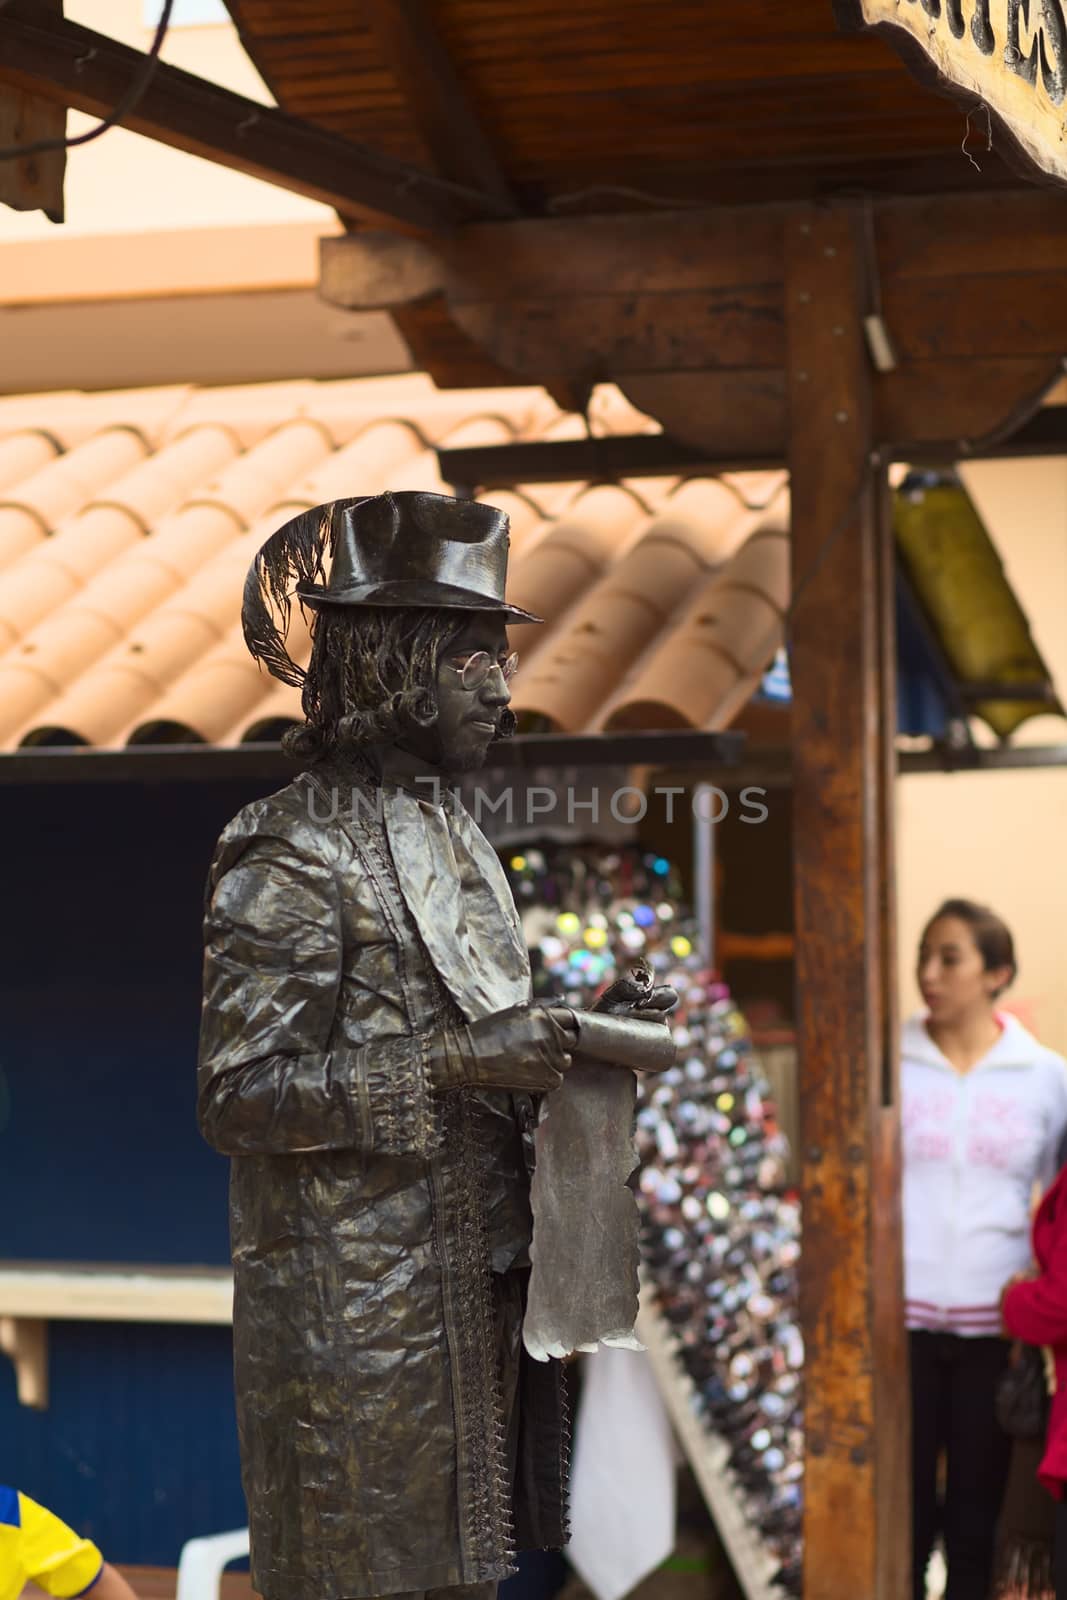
(700, 672)
(62, 486)
(128, 521)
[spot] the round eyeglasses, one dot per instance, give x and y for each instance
(477, 667)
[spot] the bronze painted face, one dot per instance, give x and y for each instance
(469, 702)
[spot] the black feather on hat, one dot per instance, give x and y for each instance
(407, 549)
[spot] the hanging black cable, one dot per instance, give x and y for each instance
(127, 104)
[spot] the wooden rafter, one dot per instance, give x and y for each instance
(601, 458)
(449, 127)
(653, 455)
(64, 63)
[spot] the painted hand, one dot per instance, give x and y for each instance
(526, 1048)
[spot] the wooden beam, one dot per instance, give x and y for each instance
(437, 103)
(737, 413)
(100, 1292)
(606, 457)
(438, 347)
(685, 313)
(945, 236)
(35, 182)
(972, 758)
(856, 1411)
(374, 271)
(960, 406)
(1022, 313)
(1045, 434)
(693, 747)
(73, 66)
(595, 337)
(560, 258)
(569, 300)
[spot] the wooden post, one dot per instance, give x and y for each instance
(857, 1539)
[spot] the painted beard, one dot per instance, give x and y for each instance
(466, 746)
(465, 728)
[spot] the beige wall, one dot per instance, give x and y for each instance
(123, 183)
(169, 269)
(1001, 837)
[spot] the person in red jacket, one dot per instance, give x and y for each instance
(1035, 1311)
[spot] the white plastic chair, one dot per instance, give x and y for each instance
(202, 1561)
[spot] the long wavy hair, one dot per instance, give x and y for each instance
(372, 679)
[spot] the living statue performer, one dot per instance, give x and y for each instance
(372, 1062)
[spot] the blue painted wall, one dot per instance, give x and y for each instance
(100, 1158)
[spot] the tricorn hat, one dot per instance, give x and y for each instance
(403, 549)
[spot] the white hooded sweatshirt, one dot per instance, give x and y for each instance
(974, 1145)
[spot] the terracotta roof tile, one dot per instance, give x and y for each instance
(632, 600)
(223, 688)
(277, 710)
(528, 521)
(118, 516)
(128, 521)
(705, 667)
(254, 480)
(554, 570)
(62, 486)
(148, 571)
(249, 411)
(25, 452)
(69, 417)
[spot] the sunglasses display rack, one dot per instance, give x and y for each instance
(721, 1232)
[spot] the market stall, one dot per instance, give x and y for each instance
(785, 251)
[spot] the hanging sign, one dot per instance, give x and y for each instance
(1008, 55)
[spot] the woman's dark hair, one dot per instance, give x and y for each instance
(372, 678)
(990, 933)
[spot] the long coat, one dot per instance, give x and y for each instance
(367, 1213)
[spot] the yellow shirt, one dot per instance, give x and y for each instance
(35, 1545)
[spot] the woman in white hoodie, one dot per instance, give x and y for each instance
(983, 1109)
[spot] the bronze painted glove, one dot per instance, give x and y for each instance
(617, 1027)
(525, 1048)
(625, 1038)
(637, 994)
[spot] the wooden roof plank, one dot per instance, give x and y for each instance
(437, 101)
(772, 103)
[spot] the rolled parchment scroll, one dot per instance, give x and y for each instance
(585, 1252)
